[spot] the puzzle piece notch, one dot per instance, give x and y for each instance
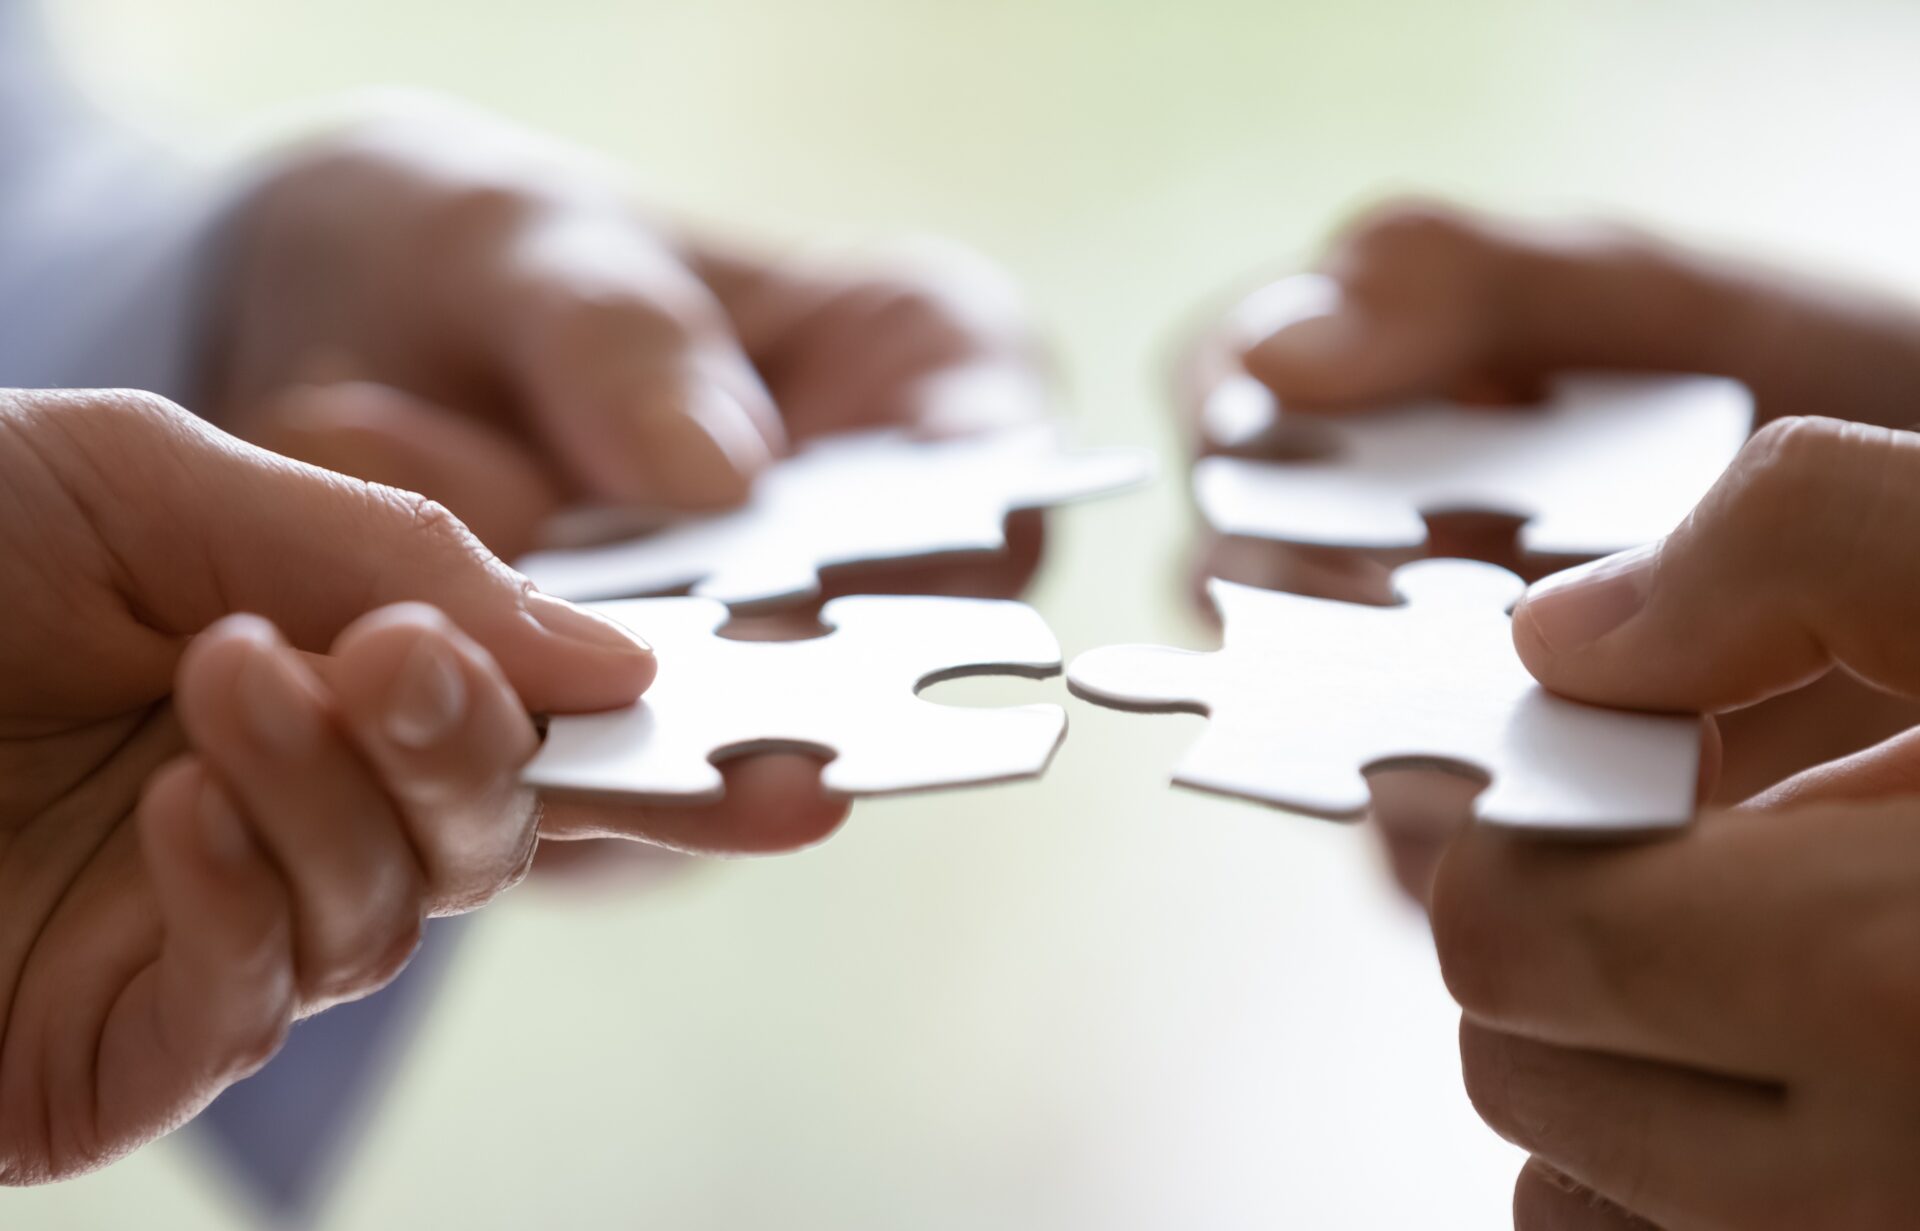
(1609, 462)
(1307, 695)
(868, 497)
(851, 695)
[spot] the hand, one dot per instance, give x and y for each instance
(1419, 299)
(1431, 301)
(1717, 1031)
(214, 823)
(447, 305)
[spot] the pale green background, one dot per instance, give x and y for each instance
(1087, 1003)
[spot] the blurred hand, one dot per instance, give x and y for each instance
(1717, 1031)
(1418, 299)
(1431, 301)
(448, 305)
(214, 823)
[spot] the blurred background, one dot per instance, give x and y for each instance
(1088, 1002)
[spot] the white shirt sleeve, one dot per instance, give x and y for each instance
(105, 241)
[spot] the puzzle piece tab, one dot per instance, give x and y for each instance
(849, 694)
(1307, 694)
(858, 498)
(1609, 462)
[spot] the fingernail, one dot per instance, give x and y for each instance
(1574, 608)
(278, 708)
(428, 698)
(221, 828)
(563, 619)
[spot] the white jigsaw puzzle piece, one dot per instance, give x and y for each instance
(1307, 694)
(849, 695)
(857, 498)
(1609, 462)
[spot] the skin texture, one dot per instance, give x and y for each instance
(214, 823)
(1717, 1031)
(484, 316)
(1714, 1031)
(211, 823)
(1437, 301)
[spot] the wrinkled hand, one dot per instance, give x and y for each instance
(1418, 299)
(445, 304)
(214, 823)
(1718, 1031)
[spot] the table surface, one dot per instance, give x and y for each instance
(1090, 1001)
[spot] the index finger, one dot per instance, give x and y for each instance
(624, 362)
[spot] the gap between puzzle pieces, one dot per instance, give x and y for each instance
(850, 695)
(1609, 462)
(858, 498)
(1306, 695)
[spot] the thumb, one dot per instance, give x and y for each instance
(206, 525)
(1798, 560)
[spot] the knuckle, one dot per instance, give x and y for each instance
(261, 1041)
(1418, 227)
(470, 209)
(427, 520)
(1789, 456)
(374, 963)
(1468, 935)
(1809, 488)
(364, 955)
(1486, 1074)
(137, 407)
(480, 851)
(625, 321)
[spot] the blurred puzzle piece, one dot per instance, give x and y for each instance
(858, 498)
(850, 694)
(1308, 694)
(1608, 462)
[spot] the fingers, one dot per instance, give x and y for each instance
(443, 732)
(217, 1001)
(1888, 770)
(389, 436)
(1418, 298)
(1681, 1148)
(1680, 951)
(1546, 1200)
(1656, 951)
(772, 804)
(1796, 561)
(1828, 720)
(925, 335)
(626, 363)
(310, 550)
(266, 728)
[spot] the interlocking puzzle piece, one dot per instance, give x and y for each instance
(858, 498)
(1609, 462)
(849, 694)
(1308, 693)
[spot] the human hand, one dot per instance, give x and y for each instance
(443, 303)
(213, 823)
(1717, 1031)
(1428, 300)
(1418, 299)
